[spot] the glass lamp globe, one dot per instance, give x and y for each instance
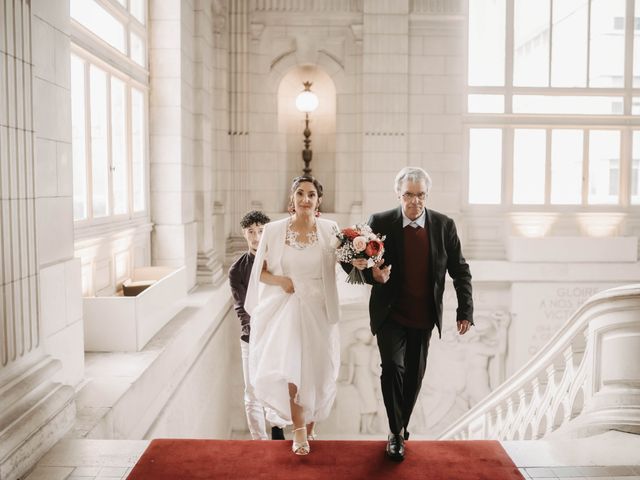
(306, 101)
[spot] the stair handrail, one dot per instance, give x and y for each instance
(526, 380)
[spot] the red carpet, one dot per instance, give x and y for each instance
(334, 460)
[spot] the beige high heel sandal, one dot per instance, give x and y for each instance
(300, 448)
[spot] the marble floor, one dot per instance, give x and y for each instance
(613, 455)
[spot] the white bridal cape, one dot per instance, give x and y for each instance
(294, 337)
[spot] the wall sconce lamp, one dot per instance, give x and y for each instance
(307, 102)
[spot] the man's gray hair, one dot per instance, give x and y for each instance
(412, 174)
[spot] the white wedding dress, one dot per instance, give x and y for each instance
(292, 341)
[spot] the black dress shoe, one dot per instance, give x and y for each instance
(406, 434)
(395, 447)
(277, 433)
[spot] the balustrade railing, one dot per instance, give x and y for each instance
(585, 380)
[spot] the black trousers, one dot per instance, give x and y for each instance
(403, 352)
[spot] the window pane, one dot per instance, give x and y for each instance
(566, 166)
(486, 42)
(636, 48)
(604, 166)
(635, 169)
(119, 147)
(569, 44)
(78, 139)
(137, 50)
(136, 7)
(99, 22)
(531, 43)
(529, 153)
(99, 163)
(138, 144)
(635, 180)
(567, 105)
(486, 104)
(485, 166)
(606, 66)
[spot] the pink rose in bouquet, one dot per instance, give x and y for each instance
(359, 243)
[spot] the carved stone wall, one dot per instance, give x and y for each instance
(461, 371)
(307, 5)
(455, 7)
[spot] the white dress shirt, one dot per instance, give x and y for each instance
(418, 222)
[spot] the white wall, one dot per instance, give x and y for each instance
(200, 406)
(186, 144)
(60, 307)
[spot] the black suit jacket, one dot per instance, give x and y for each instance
(445, 255)
(239, 274)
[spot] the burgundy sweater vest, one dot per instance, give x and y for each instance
(414, 307)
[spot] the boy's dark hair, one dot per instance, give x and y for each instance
(254, 216)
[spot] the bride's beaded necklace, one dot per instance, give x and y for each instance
(292, 237)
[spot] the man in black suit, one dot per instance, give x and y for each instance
(421, 246)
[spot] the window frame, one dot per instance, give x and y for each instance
(82, 36)
(92, 50)
(508, 121)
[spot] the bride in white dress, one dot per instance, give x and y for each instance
(293, 302)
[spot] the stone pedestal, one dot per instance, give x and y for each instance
(612, 400)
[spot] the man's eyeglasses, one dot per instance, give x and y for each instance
(408, 196)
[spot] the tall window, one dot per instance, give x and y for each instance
(554, 80)
(109, 85)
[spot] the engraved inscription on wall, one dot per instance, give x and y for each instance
(539, 311)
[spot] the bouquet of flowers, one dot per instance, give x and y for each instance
(358, 241)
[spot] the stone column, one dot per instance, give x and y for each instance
(40, 305)
(220, 126)
(239, 110)
(209, 268)
(20, 334)
(612, 393)
(385, 99)
(171, 125)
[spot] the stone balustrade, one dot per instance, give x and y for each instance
(586, 379)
